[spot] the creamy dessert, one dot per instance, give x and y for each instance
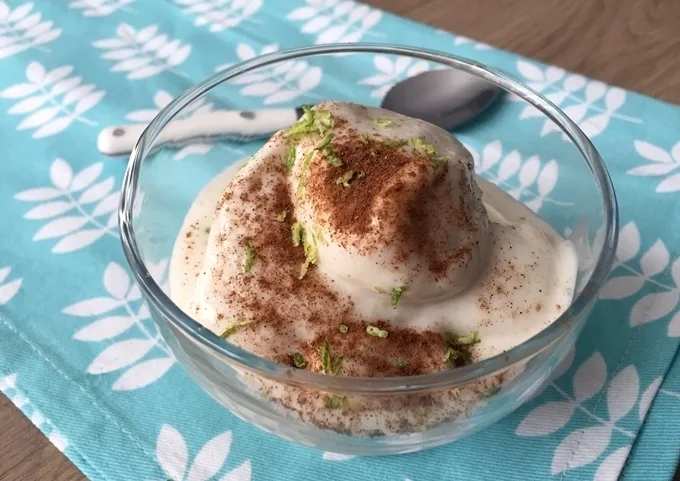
(359, 242)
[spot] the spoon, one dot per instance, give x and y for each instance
(447, 98)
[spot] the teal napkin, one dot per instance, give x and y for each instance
(81, 358)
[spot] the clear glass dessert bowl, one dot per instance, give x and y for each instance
(557, 173)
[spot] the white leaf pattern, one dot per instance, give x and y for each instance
(647, 398)
(116, 281)
(629, 242)
(39, 194)
(278, 83)
(136, 347)
(171, 452)
(92, 307)
(105, 328)
(60, 227)
(518, 176)
(669, 184)
(622, 393)
(173, 457)
(490, 155)
(330, 22)
(652, 307)
(655, 260)
(663, 163)
(611, 467)
(46, 112)
(242, 472)
(546, 419)
(78, 240)
(219, 15)
(8, 289)
(590, 377)
(589, 103)
(77, 231)
(106, 205)
(120, 355)
(100, 8)
(329, 456)
(153, 53)
(390, 71)
(61, 174)
(652, 152)
(509, 166)
(143, 374)
(48, 210)
(674, 326)
(20, 30)
(581, 447)
(460, 40)
(210, 458)
(86, 176)
(621, 287)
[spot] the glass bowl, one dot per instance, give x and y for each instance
(557, 173)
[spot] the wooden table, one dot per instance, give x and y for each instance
(630, 43)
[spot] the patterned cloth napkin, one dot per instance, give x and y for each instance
(81, 358)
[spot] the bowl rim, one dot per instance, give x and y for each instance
(376, 385)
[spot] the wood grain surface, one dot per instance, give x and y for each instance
(630, 43)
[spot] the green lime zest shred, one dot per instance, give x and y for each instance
(298, 360)
(384, 122)
(467, 340)
(428, 151)
(233, 329)
(311, 122)
(376, 332)
(309, 245)
(328, 364)
(344, 329)
(325, 142)
(380, 289)
(250, 256)
(400, 362)
(332, 158)
(452, 355)
(335, 402)
(395, 295)
(395, 142)
(492, 391)
(421, 147)
(302, 183)
(346, 179)
(307, 161)
(290, 158)
(282, 216)
(296, 232)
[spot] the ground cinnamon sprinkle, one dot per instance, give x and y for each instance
(350, 210)
(401, 200)
(273, 296)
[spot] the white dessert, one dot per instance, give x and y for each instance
(406, 262)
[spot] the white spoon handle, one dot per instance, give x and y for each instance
(121, 139)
